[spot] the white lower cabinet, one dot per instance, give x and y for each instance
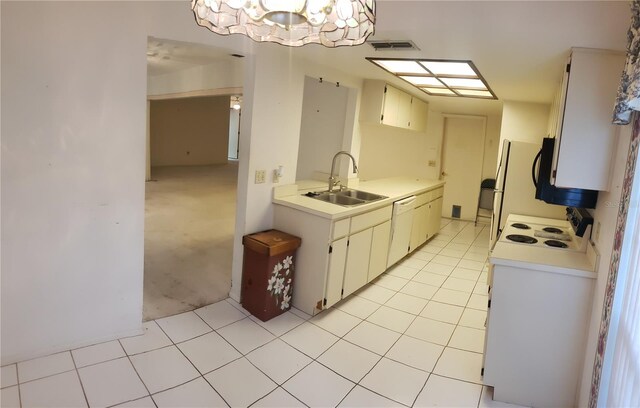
(356, 271)
(419, 226)
(335, 271)
(335, 256)
(434, 217)
(426, 217)
(338, 257)
(379, 250)
(537, 323)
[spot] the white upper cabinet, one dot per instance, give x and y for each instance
(387, 105)
(581, 120)
(419, 109)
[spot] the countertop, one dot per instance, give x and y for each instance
(546, 259)
(395, 188)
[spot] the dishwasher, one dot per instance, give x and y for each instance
(401, 221)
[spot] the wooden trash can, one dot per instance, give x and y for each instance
(267, 273)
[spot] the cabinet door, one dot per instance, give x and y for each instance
(390, 106)
(435, 214)
(418, 119)
(379, 250)
(335, 274)
(357, 269)
(404, 111)
(419, 226)
(587, 141)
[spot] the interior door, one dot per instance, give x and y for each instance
(462, 157)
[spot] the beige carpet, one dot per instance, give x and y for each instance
(189, 228)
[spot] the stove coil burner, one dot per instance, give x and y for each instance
(555, 243)
(520, 225)
(524, 239)
(553, 230)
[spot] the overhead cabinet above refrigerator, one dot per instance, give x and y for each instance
(580, 120)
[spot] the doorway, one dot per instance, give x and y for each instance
(462, 163)
(190, 195)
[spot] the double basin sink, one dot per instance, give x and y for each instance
(347, 197)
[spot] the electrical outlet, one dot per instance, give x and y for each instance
(260, 176)
(431, 163)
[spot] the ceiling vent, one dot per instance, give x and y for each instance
(398, 45)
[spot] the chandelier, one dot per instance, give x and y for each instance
(332, 23)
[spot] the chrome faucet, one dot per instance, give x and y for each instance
(333, 180)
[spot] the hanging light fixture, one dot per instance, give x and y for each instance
(332, 23)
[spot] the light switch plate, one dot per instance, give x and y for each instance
(260, 176)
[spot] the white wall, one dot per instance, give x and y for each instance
(73, 166)
(274, 82)
(491, 144)
(605, 214)
(227, 74)
(74, 134)
(388, 151)
(190, 131)
(272, 136)
(324, 108)
(435, 134)
(524, 122)
(73, 170)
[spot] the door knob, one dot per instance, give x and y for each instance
(445, 174)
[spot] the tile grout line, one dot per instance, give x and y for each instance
(394, 343)
(440, 356)
(84, 392)
(303, 320)
(137, 373)
(193, 365)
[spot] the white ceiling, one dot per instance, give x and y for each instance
(519, 46)
(166, 56)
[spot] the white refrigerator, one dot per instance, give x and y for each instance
(515, 191)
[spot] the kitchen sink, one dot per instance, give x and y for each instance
(361, 195)
(347, 197)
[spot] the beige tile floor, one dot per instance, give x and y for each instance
(413, 337)
(189, 229)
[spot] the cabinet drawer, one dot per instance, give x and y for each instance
(437, 193)
(340, 229)
(422, 199)
(360, 222)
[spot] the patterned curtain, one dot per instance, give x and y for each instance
(627, 102)
(612, 276)
(628, 99)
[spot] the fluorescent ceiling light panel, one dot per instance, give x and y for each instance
(402, 66)
(450, 68)
(439, 91)
(439, 77)
(422, 81)
(469, 92)
(464, 83)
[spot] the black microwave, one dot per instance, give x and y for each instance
(545, 191)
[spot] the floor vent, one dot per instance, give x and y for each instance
(393, 45)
